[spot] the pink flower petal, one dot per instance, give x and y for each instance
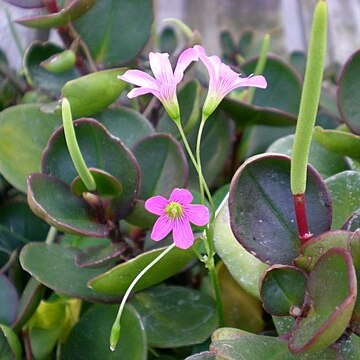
(141, 91)
(182, 196)
(256, 81)
(197, 214)
(156, 205)
(162, 228)
(161, 67)
(139, 78)
(182, 234)
(185, 58)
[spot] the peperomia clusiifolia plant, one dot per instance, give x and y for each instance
(188, 217)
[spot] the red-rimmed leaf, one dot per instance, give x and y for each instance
(332, 291)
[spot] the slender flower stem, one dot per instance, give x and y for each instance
(193, 160)
(115, 330)
(74, 149)
(198, 158)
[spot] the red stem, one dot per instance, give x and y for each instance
(301, 218)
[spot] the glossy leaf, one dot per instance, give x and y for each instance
(83, 93)
(90, 337)
(340, 142)
(244, 267)
(241, 310)
(101, 151)
(126, 124)
(262, 212)
(348, 85)
(324, 161)
(52, 200)
(283, 290)
(22, 154)
(10, 347)
(38, 76)
(46, 262)
(107, 186)
(332, 289)
(72, 11)
(117, 280)
(163, 164)
(313, 249)
(9, 300)
(190, 312)
(344, 189)
(61, 62)
(116, 38)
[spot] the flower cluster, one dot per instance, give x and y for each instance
(222, 79)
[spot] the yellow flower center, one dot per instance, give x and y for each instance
(174, 210)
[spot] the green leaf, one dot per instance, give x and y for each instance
(348, 86)
(313, 249)
(46, 262)
(262, 211)
(332, 289)
(344, 189)
(38, 76)
(72, 11)
(89, 338)
(283, 290)
(241, 310)
(101, 151)
(117, 280)
(324, 161)
(244, 267)
(340, 142)
(9, 300)
(120, 33)
(163, 164)
(10, 347)
(21, 155)
(165, 308)
(126, 124)
(52, 200)
(83, 93)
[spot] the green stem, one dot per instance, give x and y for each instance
(115, 330)
(260, 66)
(193, 160)
(198, 157)
(14, 33)
(309, 99)
(73, 147)
(50, 238)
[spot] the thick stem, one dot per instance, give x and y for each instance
(115, 330)
(301, 218)
(73, 147)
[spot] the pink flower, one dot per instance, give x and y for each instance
(223, 80)
(163, 84)
(176, 214)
